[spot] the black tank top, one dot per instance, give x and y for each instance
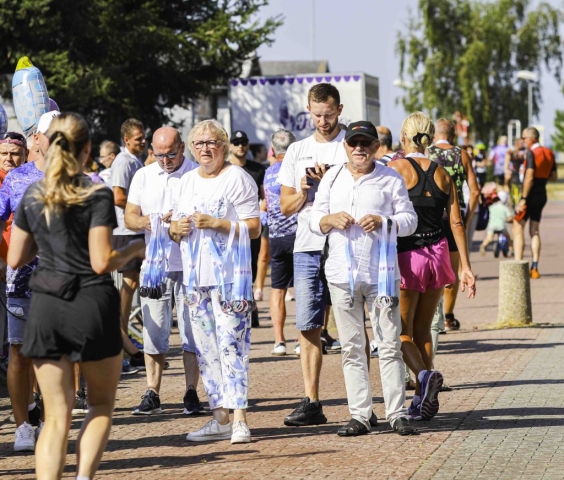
(429, 202)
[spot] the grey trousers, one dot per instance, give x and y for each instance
(386, 324)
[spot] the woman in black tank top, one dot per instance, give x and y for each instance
(424, 260)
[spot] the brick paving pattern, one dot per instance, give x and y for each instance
(504, 418)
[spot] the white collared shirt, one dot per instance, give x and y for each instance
(154, 191)
(381, 192)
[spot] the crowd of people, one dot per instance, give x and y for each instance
(354, 226)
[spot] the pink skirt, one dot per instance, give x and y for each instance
(426, 267)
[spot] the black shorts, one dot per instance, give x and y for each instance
(449, 235)
(85, 329)
(535, 203)
(282, 262)
(120, 241)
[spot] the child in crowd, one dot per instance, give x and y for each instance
(500, 214)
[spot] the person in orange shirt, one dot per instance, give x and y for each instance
(13, 152)
(540, 167)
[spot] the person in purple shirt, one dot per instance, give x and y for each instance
(282, 234)
(26, 413)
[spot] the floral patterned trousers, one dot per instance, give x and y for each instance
(223, 342)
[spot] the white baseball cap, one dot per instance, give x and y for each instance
(45, 121)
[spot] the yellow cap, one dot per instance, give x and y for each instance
(24, 62)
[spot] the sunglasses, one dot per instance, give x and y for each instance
(362, 143)
(15, 136)
(238, 143)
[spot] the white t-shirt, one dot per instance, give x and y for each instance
(124, 167)
(300, 156)
(381, 192)
(154, 191)
(233, 195)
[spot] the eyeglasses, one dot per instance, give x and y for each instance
(238, 143)
(211, 144)
(161, 156)
(362, 143)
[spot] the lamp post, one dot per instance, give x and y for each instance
(530, 78)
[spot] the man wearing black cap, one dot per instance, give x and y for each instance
(238, 148)
(359, 205)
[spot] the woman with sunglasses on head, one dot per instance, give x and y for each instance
(217, 212)
(423, 258)
(74, 311)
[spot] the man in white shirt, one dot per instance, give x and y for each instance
(353, 206)
(153, 191)
(304, 165)
(108, 153)
(124, 167)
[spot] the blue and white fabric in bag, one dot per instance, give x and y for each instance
(156, 263)
(387, 295)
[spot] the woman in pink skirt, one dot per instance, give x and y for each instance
(424, 260)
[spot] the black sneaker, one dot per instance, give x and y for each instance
(255, 319)
(138, 363)
(81, 404)
(307, 413)
(127, 369)
(402, 426)
(151, 404)
(192, 404)
(330, 342)
(34, 416)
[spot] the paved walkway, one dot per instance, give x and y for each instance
(504, 418)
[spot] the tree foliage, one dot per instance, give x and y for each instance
(463, 55)
(558, 136)
(114, 59)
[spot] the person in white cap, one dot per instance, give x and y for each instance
(18, 294)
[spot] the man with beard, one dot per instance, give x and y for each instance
(304, 165)
(238, 148)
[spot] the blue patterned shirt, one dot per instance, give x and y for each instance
(11, 194)
(278, 224)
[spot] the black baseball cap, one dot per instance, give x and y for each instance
(239, 135)
(363, 128)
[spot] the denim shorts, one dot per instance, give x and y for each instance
(157, 318)
(18, 309)
(311, 292)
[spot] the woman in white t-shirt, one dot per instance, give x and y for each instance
(213, 201)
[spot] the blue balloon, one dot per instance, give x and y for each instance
(3, 121)
(30, 96)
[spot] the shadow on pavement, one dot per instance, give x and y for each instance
(488, 345)
(508, 383)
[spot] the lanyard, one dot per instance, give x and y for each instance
(387, 266)
(190, 251)
(219, 262)
(353, 269)
(243, 280)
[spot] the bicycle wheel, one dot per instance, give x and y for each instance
(497, 248)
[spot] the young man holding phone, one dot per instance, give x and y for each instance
(304, 165)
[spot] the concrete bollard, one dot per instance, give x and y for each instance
(514, 293)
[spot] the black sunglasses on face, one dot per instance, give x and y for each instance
(15, 136)
(362, 143)
(238, 143)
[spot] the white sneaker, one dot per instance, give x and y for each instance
(279, 349)
(297, 349)
(258, 294)
(241, 433)
(38, 430)
(289, 297)
(210, 431)
(25, 438)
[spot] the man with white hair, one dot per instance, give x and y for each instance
(26, 412)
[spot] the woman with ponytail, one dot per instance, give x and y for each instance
(74, 311)
(424, 260)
